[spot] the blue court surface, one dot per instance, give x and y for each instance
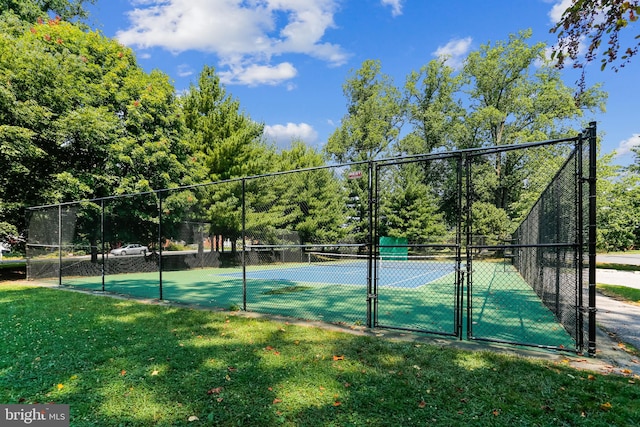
(405, 277)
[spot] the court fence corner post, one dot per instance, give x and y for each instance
(592, 237)
(371, 286)
(243, 233)
(160, 243)
(103, 267)
(59, 244)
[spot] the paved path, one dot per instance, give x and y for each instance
(630, 279)
(618, 322)
(633, 259)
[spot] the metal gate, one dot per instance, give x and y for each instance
(525, 287)
(430, 252)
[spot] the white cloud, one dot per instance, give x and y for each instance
(396, 6)
(244, 34)
(558, 9)
(625, 146)
(555, 14)
(184, 70)
(253, 74)
(454, 52)
(284, 134)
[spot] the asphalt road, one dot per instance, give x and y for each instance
(633, 259)
(619, 321)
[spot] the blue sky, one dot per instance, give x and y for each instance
(286, 60)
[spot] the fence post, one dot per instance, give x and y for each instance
(160, 241)
(244, 246)
(102, 240)
(460, 271)
(592, 238)
(371, 288)
(467, 217)
(59, 245)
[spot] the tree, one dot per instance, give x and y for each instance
(312, 202)
(599, 21)
(506, 94)
(408, 206)
(635, 166)
(81, 120)
(227, 137)
(305, 207)
(31, 10)
(369, 130)
(372, 123)
(618, 204)
(432, 110)
(513, 100)
(228, 143)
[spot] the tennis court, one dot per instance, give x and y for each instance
(245, 244)
(416, 295)
(351, 270)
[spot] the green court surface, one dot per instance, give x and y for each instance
(503, 306)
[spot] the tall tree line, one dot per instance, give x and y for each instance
(80, 119)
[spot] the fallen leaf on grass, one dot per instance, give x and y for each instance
(337, 403)
(422, 404)
(276, 400)
(338, 357)
(155, 372)
(193, 418)
(605, 406)
(216, 390)
(123, 373)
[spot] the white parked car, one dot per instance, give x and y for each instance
(131, 249)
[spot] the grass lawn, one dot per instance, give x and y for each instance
(619, 267)
(622, 293)
(120, 362)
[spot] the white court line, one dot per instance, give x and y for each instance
(393, 284)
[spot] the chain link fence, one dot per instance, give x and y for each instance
(487, 243)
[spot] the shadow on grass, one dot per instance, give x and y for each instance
(118, 362)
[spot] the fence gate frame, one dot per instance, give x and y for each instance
(585, 241)
(456, 309)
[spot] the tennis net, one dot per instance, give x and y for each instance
(330, 259)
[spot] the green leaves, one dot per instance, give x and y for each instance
(372, 123)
